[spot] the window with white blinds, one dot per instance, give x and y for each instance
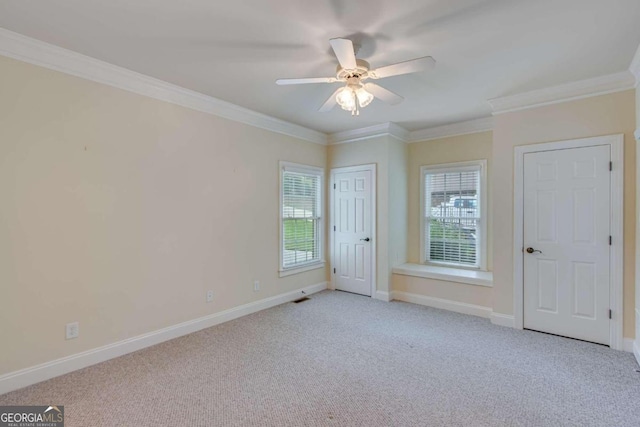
(301, 216)
(453, 215)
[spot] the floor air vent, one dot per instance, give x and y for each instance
(303, 299)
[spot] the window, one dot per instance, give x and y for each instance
(453, 214)
(301, 210)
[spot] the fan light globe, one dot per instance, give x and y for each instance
(346, 98)
(364, 97)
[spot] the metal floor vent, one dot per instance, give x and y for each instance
(303, 299)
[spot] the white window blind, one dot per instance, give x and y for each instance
(452, 215)
(301, 217)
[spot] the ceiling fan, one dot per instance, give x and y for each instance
(352, 71)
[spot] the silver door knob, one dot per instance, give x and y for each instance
(365, 240)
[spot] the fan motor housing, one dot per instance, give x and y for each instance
(361, 71)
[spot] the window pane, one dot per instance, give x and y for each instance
(301, 243)
(300, 195)
(300, 218)
(453, 240)
(452, 216)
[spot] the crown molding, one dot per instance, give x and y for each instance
(46, 55)
(454, 129)
(384, 129)
(634, 68)
(567, 92)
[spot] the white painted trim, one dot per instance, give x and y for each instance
(374, 224)
(566, 92)
(303, 268)
(443, 304)
(46, 55)
(637, 134)
(484, 217)
(616, 142)
(469, 277)
(384, 129)
(391, 129)
(627, 345)
(505, 320)
(383, 296)
(634, 67)
(445, 131)
(35, 374)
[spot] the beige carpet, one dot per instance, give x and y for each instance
(345, 360)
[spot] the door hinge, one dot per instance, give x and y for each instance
(334, 186)
(610, 240)
(334, 228)
(610, 166)
(334, 271)
(610, 314)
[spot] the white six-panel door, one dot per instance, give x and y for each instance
(352, 216)
(566, 242)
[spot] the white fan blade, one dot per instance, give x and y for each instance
(343, 49)
(383, 94)
(331, 102)
(412, 66)
(305, 81)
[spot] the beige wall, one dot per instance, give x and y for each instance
(462, 148)
(595, 116)
(121, 211)
(389, 155)
(398, 202)
(445, 150)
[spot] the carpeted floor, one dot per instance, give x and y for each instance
(345, 360)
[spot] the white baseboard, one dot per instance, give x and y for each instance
(445, 304)
(627, 345)
(382, 296)
(636, 351)
(35, 374)
(503, 319)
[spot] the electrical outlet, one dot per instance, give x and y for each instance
(72, 330)
(209, 296)
(256, 286)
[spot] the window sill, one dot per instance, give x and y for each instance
(469, 277)
(302, 269)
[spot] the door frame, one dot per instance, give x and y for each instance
(616, 262)
(374, 224)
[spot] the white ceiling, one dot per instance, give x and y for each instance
(236, 50)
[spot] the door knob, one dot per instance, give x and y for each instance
(366, 240)
(531, 250)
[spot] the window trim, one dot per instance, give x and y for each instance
(482, 230)
(310, 265)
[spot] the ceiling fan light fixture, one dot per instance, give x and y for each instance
(353, 97)
(353, 71)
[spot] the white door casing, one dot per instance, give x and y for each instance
(616, 205)
(566, 240)
(353, 226)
